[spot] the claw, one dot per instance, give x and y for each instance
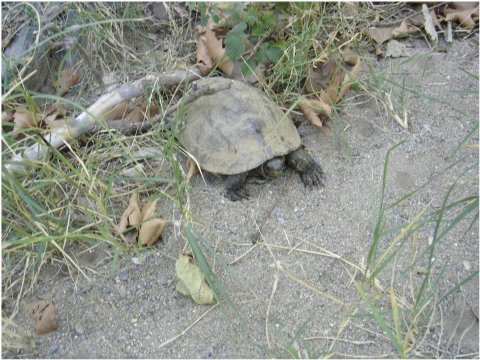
(312, 176)
(237, 194)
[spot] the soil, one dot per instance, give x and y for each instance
(130, 309)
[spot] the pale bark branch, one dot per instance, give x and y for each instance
(86, 121)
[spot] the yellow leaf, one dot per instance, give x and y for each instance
(192, 281)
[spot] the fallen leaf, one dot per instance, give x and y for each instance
(137, 170)
(55, 124)
(67, 80)
(204, 61)
(139, 114)
(118, 112)
(429, 25)
(464, 5)
(23, 119)
(43, 312)
(217, 52)
(401, 31)
(319, 77)
(355, 72)
(467, 17)
(132, 215)
(436, 21)
(380, 35)
(396, 49)
(53, 111)
(328, 95)
(309, 113)
(7, 116)
(148, 210)
(150, 231)
(192, 282)
(350, 9)
(192, 169)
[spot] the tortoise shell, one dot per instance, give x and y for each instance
(236, 130)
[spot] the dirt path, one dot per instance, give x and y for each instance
(135, 312)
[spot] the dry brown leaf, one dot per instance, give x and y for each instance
(466, 17)
(23, 119)
(380, 35)
(139, 114)
(330, 95)
(401, 31)
(132, 216)
(464, 5)
(151, 230)
(355, 72)
(192, 169)
(435, 20)
(217, 52)
(350, 9)
(309, 113)
(43, 312)
(148, 210)
(67, 80)
(7, 116)
(204, 61)
(55, 124)
(53, 111)
(335, 91)
(137, 170)
(117, 112)
(319, 77)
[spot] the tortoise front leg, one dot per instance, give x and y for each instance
(234, 189)
(309, 170)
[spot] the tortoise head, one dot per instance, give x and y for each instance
(273, 167)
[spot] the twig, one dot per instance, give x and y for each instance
(127, 126)
(87, 120)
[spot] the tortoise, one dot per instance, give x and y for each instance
(239, 132)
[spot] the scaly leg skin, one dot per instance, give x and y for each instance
(234, 189)
(309, 170)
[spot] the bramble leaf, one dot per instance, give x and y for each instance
(248, 67)
(234, 45)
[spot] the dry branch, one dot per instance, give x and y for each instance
(128, 126)
(87, 120)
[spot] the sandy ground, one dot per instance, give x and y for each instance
(133, 311)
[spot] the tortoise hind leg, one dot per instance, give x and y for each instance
(309, 170)
(234, 189)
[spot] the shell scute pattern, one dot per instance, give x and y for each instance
(236, 130)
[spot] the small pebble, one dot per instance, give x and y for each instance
(79, 330)
(123, 276)
(137, 261)
(85, 288)
(122, 290)
(53, 350)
